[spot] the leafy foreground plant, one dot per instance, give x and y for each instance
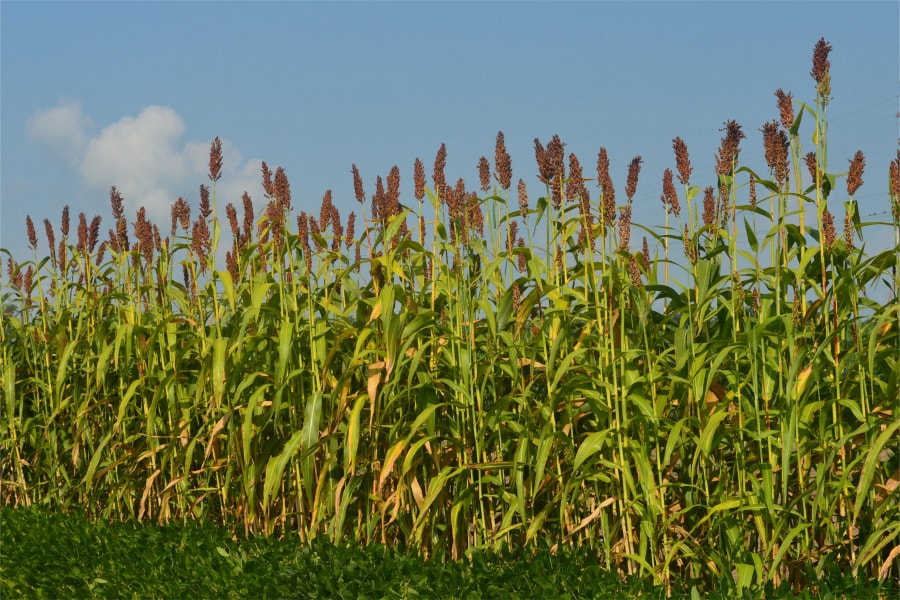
(51, 555)
(478, 373)
(47, 555)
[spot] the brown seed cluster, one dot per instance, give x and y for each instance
(418, 179)
(502, 163)
(523, 199)
(848, 231)
(829, 235)
(682, 160)
(728, 152)
(821, 64)
(634, 169)
(777, 146)
(215, 160)
(854, 177)
(32, 235)
(894, 181)
(752, 191)
(786, 108)
(812, 166)
(709, 207)
(484, 173)
(608, 192)
(669, 196)
(440, 163)
(625, 228)
(358, 189)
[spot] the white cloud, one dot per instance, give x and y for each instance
(63, 128)
(144, 156)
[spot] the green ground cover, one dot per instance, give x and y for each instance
(50, 555)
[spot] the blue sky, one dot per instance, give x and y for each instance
(95, 94)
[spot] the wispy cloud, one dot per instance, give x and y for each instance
(63, 129)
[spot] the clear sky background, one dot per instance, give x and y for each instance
(95, 94)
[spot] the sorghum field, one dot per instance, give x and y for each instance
(709, 402)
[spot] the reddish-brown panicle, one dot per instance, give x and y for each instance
(64, 227)
(821, 64)
(94, 233)
(215, 159)
(634, 169)
(828, 233)
(205, 208)
(728, 152)
(249, 216)
(682, 160)
(625, 228)
(894, 177)
(709, 206)
(777, 147)
(523, 199)
(502, 163)
(231, 213)
(812, 165)
(393, 192)
(484, 173)
(670, 196)
(848, 230)
(51, 238)
(282, 189)
(419, 179)
(786, 108)
(82, 232)
(118, 205)
(645, 254)
(32, 235)
(358, 189)
(351, 230)
(325, 210)
(752, 191)
(268, 185)
(854, 177)
(378, 200)
(575, 186)
(440, 163)
(635, 272)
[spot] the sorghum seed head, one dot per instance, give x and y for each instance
(231, 213)
(821, 64)
(523, 199)
(440, 163)
(118, 205)
(351, 230)
(215, 159)
(502, 163)
(378, 200)
(249, 215)
(521, 262)
(848, 230)
(282, 190)
(682, 160)
(205, 208)
(32, 236)
(82, 232)
(854, 177)
(325, 210)
(634, 169)
(484, 173)
(51, 238)
(268, 185)
(728, 150)
(94, 233)
(635, 272)
(625, 228)
(786, 108)
(419, 179)
(358, 190)
(709, 206)
(670, 196)
(829, 235)
(752, 191)
(393, 192)
(645, 256)
(777, 147)
(65, 221)
(812, 165)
